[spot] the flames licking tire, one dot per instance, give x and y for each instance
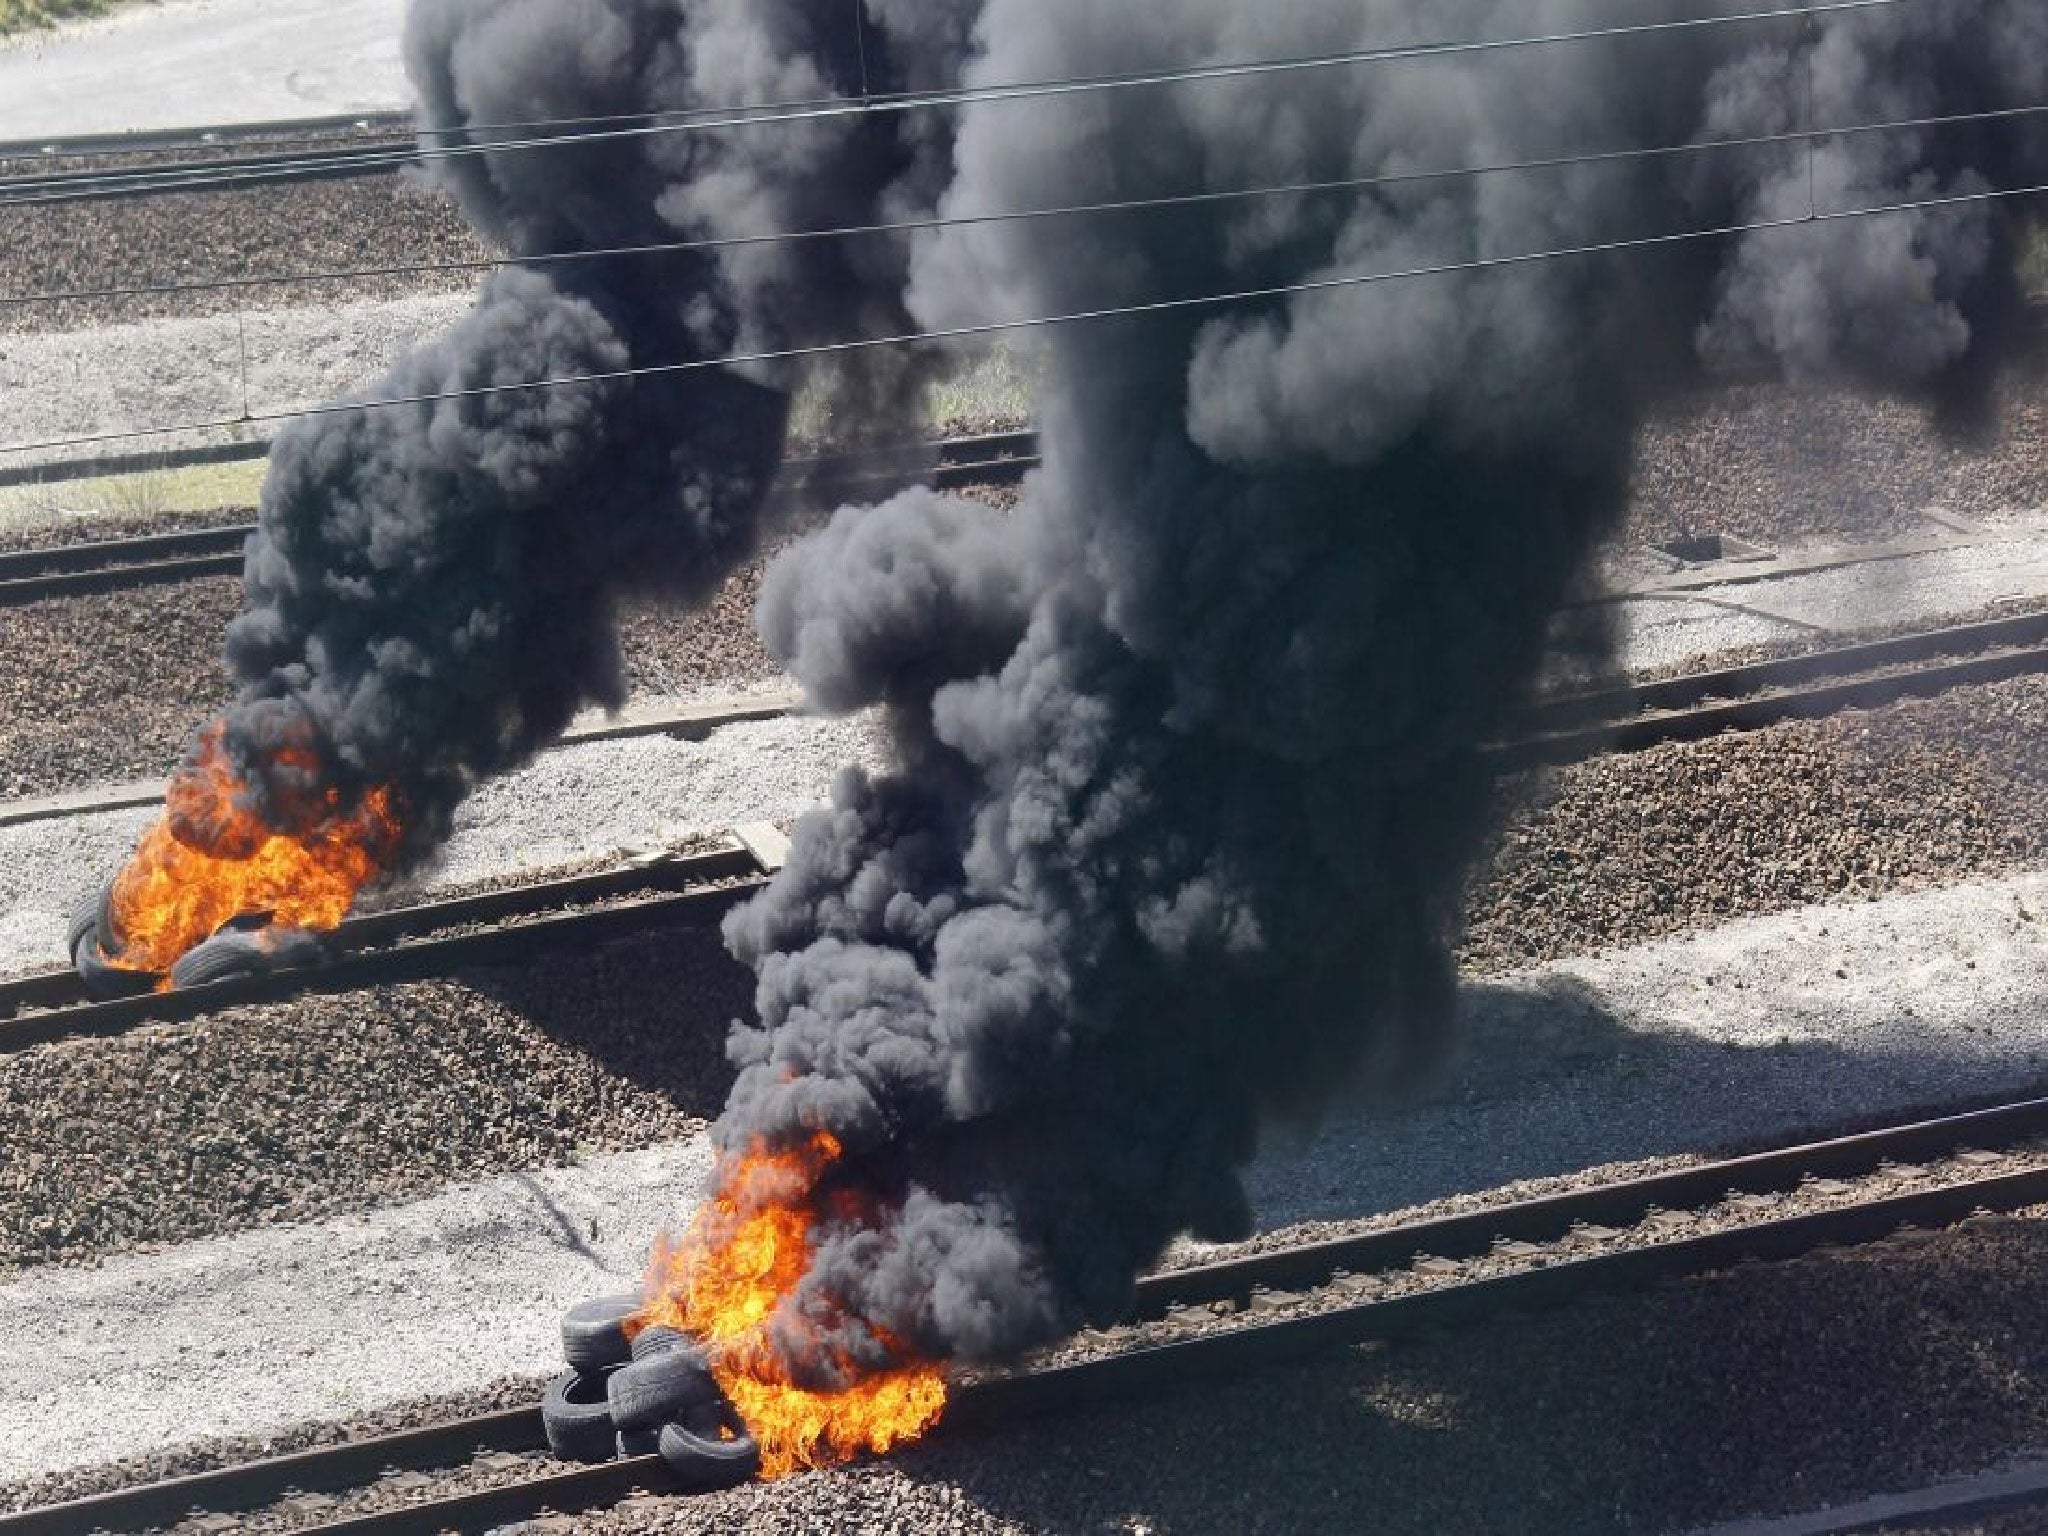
(93, 950)
(213, 892)
(246, 945)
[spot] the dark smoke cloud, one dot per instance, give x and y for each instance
(1905, 297)
(1189, 781)
(429, 592)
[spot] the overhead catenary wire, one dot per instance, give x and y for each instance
(1071, 210)
(984, 329)
(98, 184)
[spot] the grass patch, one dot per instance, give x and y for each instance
(23, 15)
(996, 385)
(132, 498)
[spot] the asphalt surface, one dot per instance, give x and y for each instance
(204, 62)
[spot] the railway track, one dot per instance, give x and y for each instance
(1760, 694)
(106, 166)
(435, 938)
(1561, 730)
(201, 139)
(112, 565)
(1198, 1325)
(432, 939)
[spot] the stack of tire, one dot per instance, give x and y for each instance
(244, 947)
(655, 1396)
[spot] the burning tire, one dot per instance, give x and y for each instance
(669, 1379)
(594, 1333)
(577, 1419)
(711, 1454)
(87, 915)
(662, 1402)
(103, 979)
(234, 953)
(94, 942)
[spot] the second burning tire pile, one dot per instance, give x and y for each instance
(654, 1395)
(243, 947)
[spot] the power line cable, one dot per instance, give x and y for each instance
(1002, 327)
(965, 96)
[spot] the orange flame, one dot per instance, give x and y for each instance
(173, 896)
(745, 1252)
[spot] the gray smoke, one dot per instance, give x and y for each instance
(1189, 781)
(430, 590)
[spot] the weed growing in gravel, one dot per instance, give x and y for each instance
(20, 15)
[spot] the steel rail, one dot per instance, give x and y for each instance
(203, 138)
(1695, 688)
(380, 949)
(1949, 1504)
(687, 722)
(1638, 732)
(1160, 1368)
(103, 466)
(1180, 304)
(228, 174)
(455, 139)
(102, 556)
(112, 565)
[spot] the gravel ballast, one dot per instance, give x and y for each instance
(325, 1104)
(1774, 463)
(110, 687)
(184, 240)
(1621, 849)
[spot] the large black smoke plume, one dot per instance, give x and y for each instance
(1189, 778)
(429, 593)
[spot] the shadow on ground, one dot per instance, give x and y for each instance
(1773, 1388)
(1549, 1080)
(653, 1010)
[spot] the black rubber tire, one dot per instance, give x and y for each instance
(652, 1341)
(639, 1442)
(103, 979)
(704, 1462)
(594, 1332)
(110, 936)
(223, 957)
(85, 916)
(576, 1417)
(666, 1384)
(230, 954)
